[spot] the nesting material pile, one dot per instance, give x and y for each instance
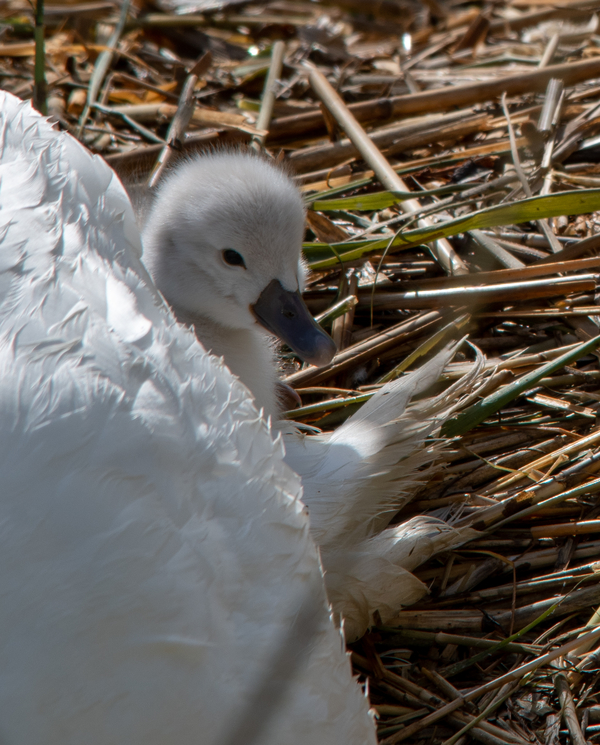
(449, 153)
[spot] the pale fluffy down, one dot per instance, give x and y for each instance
(153, 545)
(227, 200)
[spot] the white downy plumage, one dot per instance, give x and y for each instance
(223, 231)
(154, 550)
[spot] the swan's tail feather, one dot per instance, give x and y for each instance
(415, 541)
(390, 402)
(356, 479)
(457, 395)
(376, 575)
(359, 583)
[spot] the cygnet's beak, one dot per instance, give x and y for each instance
(285, 314)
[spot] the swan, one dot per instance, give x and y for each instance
(156, 557)
(223, 242)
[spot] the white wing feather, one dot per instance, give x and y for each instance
(152, 541)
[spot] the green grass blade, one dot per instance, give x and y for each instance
(577, 202)
(460, 667)
(315, 196)
(480, 411)
(322, 255)
(382, 199)
(377, 201)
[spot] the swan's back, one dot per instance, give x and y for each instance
(152, 543)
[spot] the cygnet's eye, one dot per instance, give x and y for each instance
(233, 258)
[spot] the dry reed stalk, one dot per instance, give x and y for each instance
(441, 249)
(443, 98)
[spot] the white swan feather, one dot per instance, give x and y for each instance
(153, 544)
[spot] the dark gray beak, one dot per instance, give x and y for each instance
(285, 314)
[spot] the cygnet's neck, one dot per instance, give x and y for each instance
(248, 353)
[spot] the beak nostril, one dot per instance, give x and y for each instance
(289, 314)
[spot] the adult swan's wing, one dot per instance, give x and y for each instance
(153, 548)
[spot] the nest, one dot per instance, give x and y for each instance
(449, 154)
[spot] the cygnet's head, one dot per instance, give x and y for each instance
(223, 241)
